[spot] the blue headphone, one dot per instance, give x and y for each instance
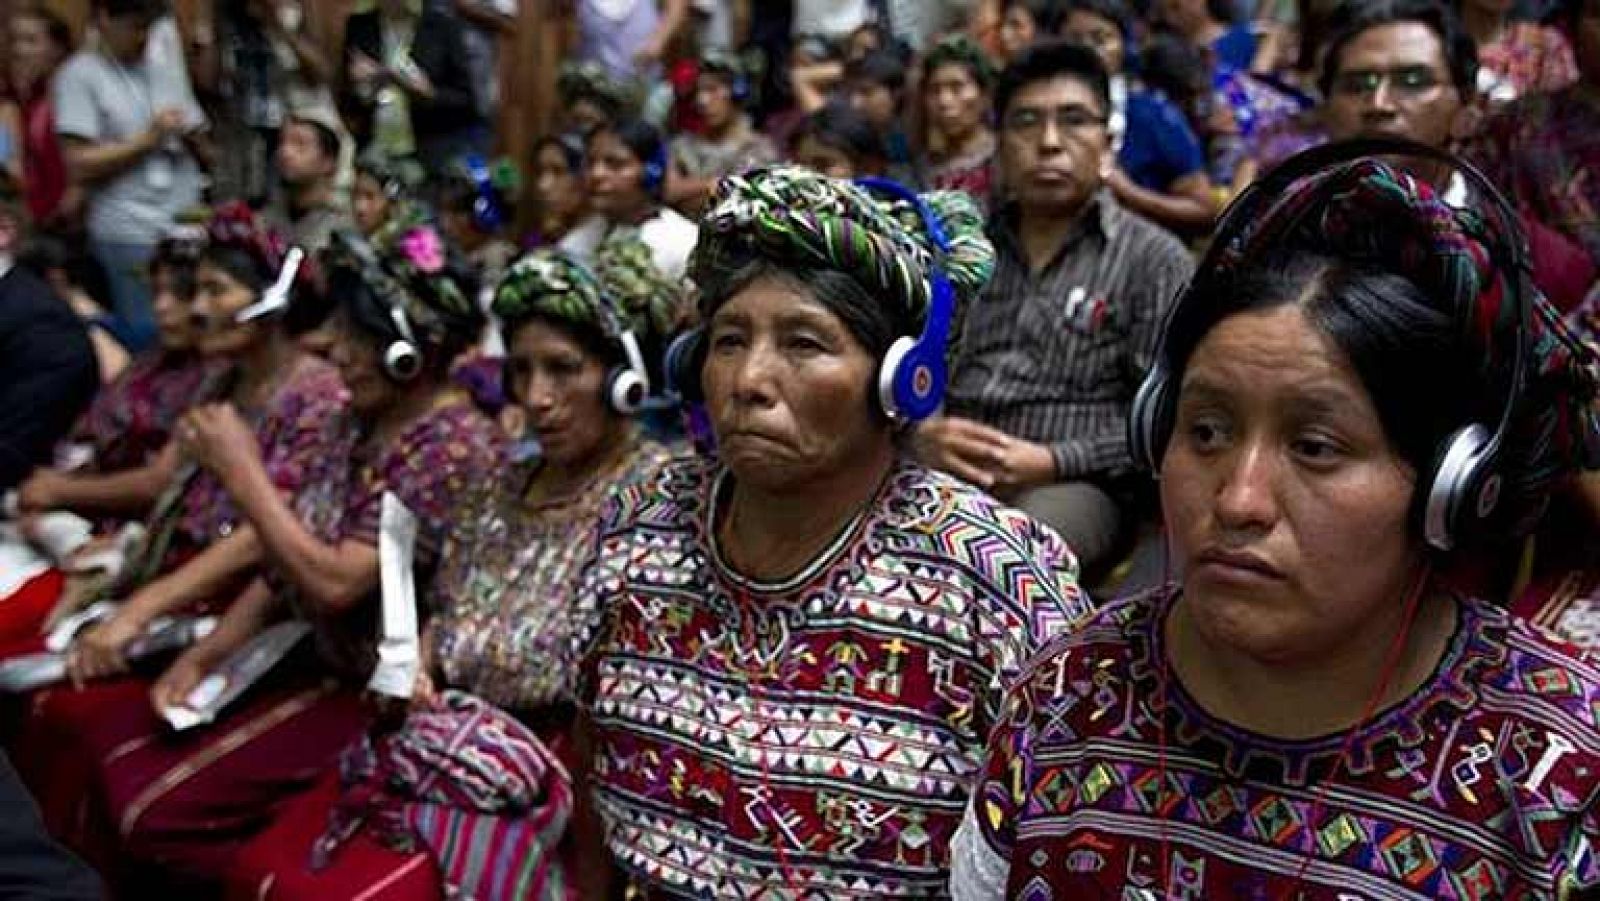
(911, 376)
(655, 170)
(488, 213)
(1463, 488)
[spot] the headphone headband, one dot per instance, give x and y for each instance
(941, 303)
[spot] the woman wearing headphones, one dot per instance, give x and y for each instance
(627, 174)
(498, 654)
(404, 317)
(1358, 395)
(805, 638)
(381, 200)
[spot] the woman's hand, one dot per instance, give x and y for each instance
(41, 492)
(217, 437)
(178, 682)
(100, 651)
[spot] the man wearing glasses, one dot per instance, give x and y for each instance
(1408, 69)
(1048, 359)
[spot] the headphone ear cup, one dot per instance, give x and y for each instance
(1464, 489)
(1150, 420)
(911, 380)
(683, 363)
(625, 391)
(402, 361)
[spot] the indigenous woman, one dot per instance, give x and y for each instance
(381, 202)
(1313, 712)
(128, 426)
(498, 653)
(197, 553)
(627, 175)
(560, 200)
(805, 639)
(179, 815)
(956, 78)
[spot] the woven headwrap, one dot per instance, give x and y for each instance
(413, 270)
(588, 80)
(1374, 213)
(549, 283)
(235, 226)
(796, 217)
(649, 301)
(961, 49)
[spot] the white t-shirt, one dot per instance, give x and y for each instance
(833, 18)
(670, 237)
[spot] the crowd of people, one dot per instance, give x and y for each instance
(1034, 449)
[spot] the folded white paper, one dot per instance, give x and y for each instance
(60, 534)
(243, 668)
(399, 650)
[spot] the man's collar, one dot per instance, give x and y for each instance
(1102, 213)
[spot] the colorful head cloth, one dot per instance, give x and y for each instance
(650, 301)
(799, 218)
(961, 49)
(1372, 212)
(235, 226)
(588, 80)
(413, 270)
(549, 283)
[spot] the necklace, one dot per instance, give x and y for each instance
(1319, 799)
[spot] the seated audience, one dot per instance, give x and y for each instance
(307, 207)
(498, 654)
(875, 87)
(838, 142)
(381, 202)
(957, 77)
(1025, 22)
(808, 576)
(1161, 166)
(1313, 661)
(626, 177)
(1405, 68)
(591, 98)
(727, 142)
(477, 209)
(407, 432)
(1055, 346)
(561, 199)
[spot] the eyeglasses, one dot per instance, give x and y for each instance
(1409, 80)
(1029, 122)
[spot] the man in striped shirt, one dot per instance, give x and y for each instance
(1048, 359)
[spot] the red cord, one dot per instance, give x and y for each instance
(1391, 664)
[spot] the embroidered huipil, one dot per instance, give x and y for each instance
(131, 419)
(816, 737)
(430, 466)
(1482, 784)
(503, 627)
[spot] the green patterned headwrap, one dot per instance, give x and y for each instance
(624, 292)
(798, 218)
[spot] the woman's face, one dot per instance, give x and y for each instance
(359, 360)
(1098, 33)
(875, 102)
(562, 387)
(218, 297)
(1017, 31)
(616, 178)
(557, 189)
(955, 102)
(1286, 504)
(829, 160)
(369, 204)
(787, 386)
(33, 54)
(713, 99)
(174, 312)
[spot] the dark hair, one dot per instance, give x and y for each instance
(1048, 15)
(882, 67)
(570, 145)
(148, 10)
(844, 130)
(1353, 17)
(458, 193)
(1113, 11)
(643, 139)
(243, 266)
(55, 27)
(1175, 67)
(1049, 60)
(872, 322)
(353, 293)
(1423, 376)
(177, 258)
(327, 138)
